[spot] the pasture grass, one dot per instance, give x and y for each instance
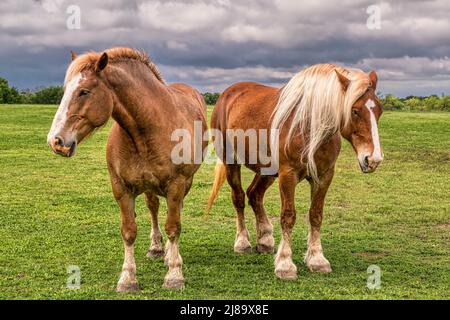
(56, 212)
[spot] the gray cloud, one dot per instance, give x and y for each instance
(212, 44)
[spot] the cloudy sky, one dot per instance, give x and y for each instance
(212, 44)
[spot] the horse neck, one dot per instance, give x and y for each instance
(139, 98)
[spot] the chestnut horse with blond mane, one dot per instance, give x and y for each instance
(311, 113)
(124, 84)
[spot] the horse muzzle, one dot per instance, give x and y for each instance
(369, 164)
(61, 147)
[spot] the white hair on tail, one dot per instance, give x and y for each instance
(317, 106)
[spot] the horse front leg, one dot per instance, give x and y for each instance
(174, 277)
(284, 266)
(127, 281)
(314, 258)
(156, 249)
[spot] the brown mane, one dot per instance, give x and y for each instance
(118, 54)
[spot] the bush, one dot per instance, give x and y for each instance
(211, 98)
(8, 94)
(445, 103)
(432, 103)
(50, 95)
(413, 104)
(391, 102)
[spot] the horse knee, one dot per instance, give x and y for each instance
(288, 218)
(253, 199)
(315, 218)
(239, 199)
(129, 233)
(173, 230)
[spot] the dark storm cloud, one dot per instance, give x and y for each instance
(211, 44)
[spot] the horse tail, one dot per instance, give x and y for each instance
(219, 178)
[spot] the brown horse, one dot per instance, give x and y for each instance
(311, 113)
(125, 84)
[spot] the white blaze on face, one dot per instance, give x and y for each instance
(377, 156)
(61, 115)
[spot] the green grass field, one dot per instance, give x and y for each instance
(56, 212)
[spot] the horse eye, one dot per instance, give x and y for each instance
(356, 112)
(84, 92)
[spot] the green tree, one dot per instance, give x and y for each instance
(14, 95)
(445, 103)
(8, 94)
(390, 102)
(50, 95)
(3, 88)
(432, 103)
(26, 97)
(414, 104)
(211, 98)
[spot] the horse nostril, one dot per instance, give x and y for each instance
(366, 161)
(59, 141)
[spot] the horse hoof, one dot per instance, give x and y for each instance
(324, 268)
(318, 263)
(155, 253)
(243, 249)
(262, 248)
(127, 287)
(242, 243)
(286, 270)
(286, 274)
(174, 283)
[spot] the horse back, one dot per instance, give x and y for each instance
(185, 92)
(245, 105)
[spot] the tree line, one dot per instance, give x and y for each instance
(10, 95)
(53, 95)
(416, 103)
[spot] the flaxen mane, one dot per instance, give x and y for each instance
(119, 54)
(318, 106)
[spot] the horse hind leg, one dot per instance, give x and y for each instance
(156, 249)
(264, 229)
(242, 242)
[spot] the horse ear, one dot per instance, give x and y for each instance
(102, 62)
(373, 79)
(73, 55)
(345, 82)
